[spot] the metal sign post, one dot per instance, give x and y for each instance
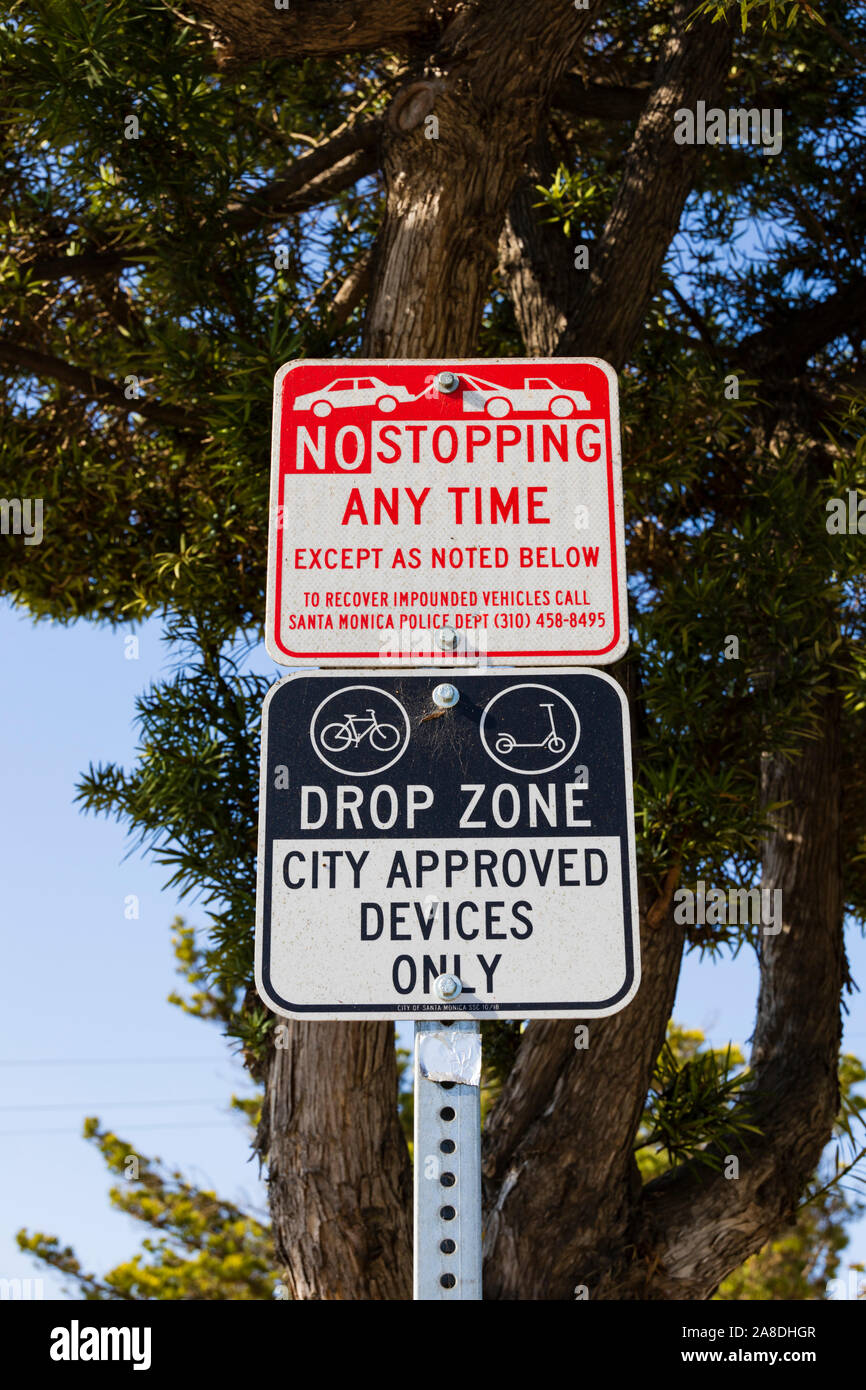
(447, 1161)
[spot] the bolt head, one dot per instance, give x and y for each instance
(447, 637)
(447, 986)
(446, 382)
(446, 696)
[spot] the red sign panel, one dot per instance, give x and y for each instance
(456, 511)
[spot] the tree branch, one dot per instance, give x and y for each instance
(25, 359)
(596, 101)
(353, 289)
(786, 345)
(559, 1102)
(646, 211)
(697, 321)
(246, 30)
(314, 178)
(603, 101)
(700, 1227)
(535, 260)
(85, 265)
(488, 86)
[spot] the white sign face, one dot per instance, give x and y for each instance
(458, 511)
(492, 841)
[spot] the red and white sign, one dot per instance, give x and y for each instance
(457, 511)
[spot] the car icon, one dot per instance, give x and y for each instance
(537, 393)
(348, 391)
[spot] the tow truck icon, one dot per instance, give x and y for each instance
(538, 393)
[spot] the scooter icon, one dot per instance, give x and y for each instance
(506, 742)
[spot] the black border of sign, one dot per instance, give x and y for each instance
(408, 1012)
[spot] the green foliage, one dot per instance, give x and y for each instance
(204, 1247)
(570, 200)
(192, 799)
(774, 14)
(726, 530)
(190, 303)
(696, 1098)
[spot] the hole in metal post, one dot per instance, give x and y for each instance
(448, 1281)
(447, 1246)
(447, 1146)
(446, 1113)
(447, 1213)
(448, 1180)
(447, 1085)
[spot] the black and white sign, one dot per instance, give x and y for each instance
(400, 842)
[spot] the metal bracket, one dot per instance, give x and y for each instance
(448, 1171)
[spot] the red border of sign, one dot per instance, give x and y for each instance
(549, 653)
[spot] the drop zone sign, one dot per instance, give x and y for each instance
(492, 841)
(426, 511)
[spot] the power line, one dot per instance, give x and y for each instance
(31, 1133)
(104, 1061)
(91, 1105)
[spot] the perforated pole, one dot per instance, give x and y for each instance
(447, 1178)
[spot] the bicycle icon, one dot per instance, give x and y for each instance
(360, 744)
(336, 737)
(506, 742)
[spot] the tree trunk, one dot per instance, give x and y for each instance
(699, 1229)
(338, 1169)
(566, 1203)
(454, 148)
(536, 262)
(561, 1176)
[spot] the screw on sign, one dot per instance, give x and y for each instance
(450, 512)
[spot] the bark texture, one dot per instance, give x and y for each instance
(560, 1141)
(449, 182)
(331, 1129)
(624, 267)
(338, 1172)
(698, 1230)
(248, 30)
(561, 1138)
(536, 262)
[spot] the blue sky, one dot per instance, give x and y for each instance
(85, 1028)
